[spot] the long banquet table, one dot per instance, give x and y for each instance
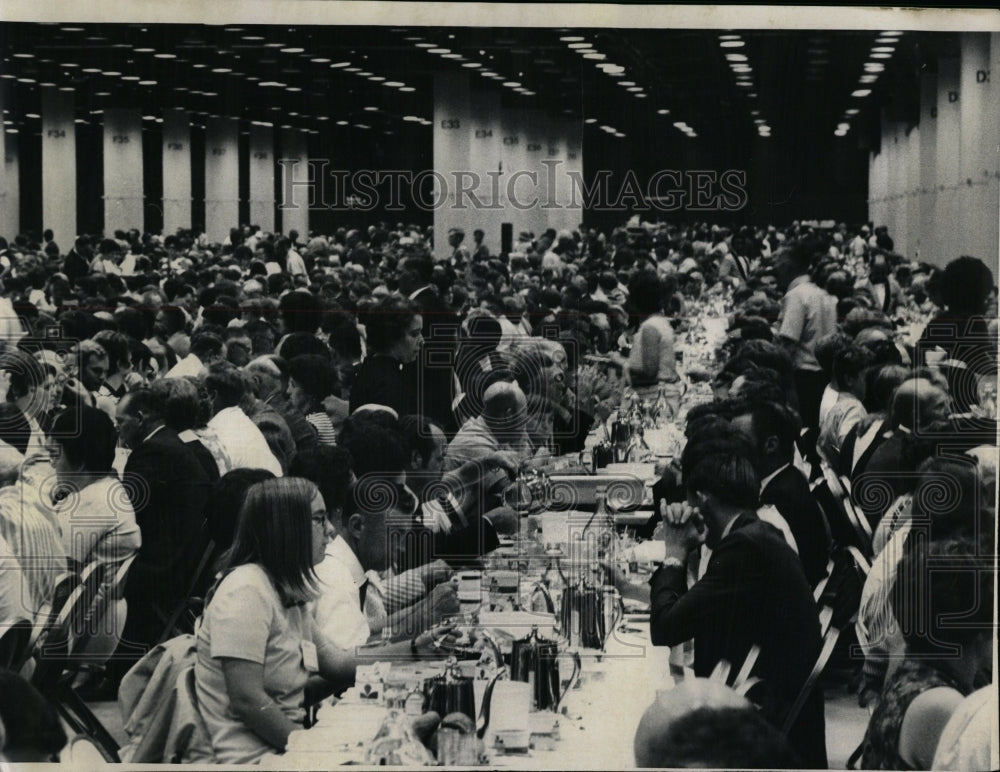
(596, 722)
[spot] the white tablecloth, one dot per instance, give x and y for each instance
(595, 730)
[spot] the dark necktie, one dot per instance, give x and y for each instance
(362, 593)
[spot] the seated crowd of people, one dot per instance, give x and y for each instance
(288, 447)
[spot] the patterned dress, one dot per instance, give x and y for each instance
(880, 748)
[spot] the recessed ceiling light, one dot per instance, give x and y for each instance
(874, 67)
(527, 92)
(33, 116)
(292, 50)
(511, 83)
(452, 56)
(759, 121)
(852, 111)
(341, 123)
(884, 49)
(581, 45)
(320, 60)
(66, 88)
(91, 70)
(112, 73)
(338, 65)
(729, 37)
(663, 111)
(24, 56)
(590, 120)
(407, 88)
(439, 50)
(130, 77)
(744, 84)
(732, 44)
(363, 73)
(634, 88)
(742, 68)
(885, 40)
(376, 78)
(164, 56)
(294, 89)
(892, 34)
(861, 92)
(472, 65)
(881, 56)
(427, 45)
(626, 83)
(868, 78)
(371, 109)
(611, 69)
(393, 83)
(594, 55)
(571, 39)
(640, 96)
(221, 70)
(620, 134)
(252, 37)
(736, 57)
(352, 69)
(145, 50)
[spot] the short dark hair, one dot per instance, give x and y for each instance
(772, 419)
(206, 344)
(387, 322)
(376, 448)
(416, 431)
(88, 436)
(719, 738)
(329, 468)
(180, 401)
(117, 346)
(850, 362)
(299, 343)
(227, 382)
(965, 285)
(315, 374)
(300, 311)
(375, 494)
(722, 463)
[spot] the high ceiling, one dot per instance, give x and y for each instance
(800, 83)
(789, 106)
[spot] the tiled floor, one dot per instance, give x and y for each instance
(845, 724)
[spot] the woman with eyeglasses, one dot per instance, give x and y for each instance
(257, 645)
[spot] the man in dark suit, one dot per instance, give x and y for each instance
(431, 373)
(169, 488)
(753, 592)
(772, 429)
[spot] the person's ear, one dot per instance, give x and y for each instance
(771, 445)
(416, 462)
(356, 525)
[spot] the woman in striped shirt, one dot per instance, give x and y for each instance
(311, 379)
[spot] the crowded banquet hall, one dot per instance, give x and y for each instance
(627, 395)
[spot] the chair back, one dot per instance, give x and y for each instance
(829, 642)
(181, 619)
(56, 647)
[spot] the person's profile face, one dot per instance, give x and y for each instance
(94, 372)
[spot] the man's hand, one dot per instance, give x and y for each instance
(435, 573)
(683, 529)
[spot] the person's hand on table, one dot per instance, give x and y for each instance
(434, 573)
(683, 529)
(442, 634)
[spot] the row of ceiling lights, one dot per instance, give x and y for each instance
(587, 50)
(470, 64)
(882, 49)
(135, 79)
(742, 69)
